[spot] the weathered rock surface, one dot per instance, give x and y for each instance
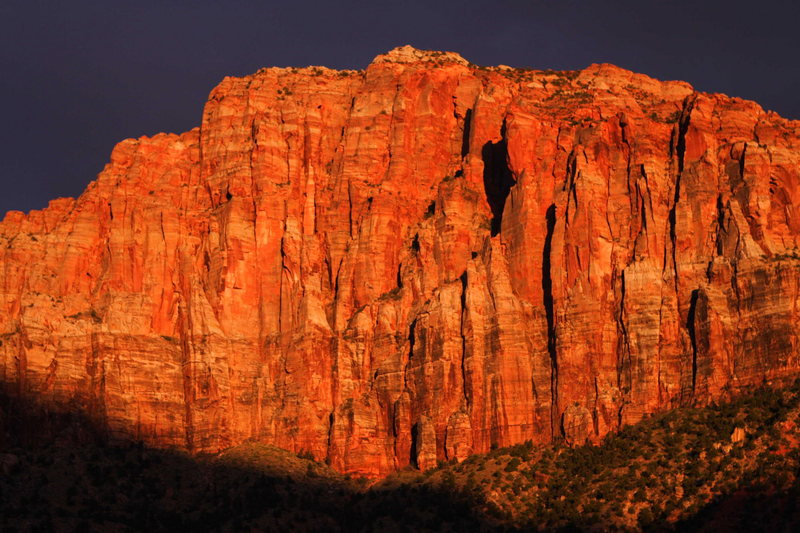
(414, 263)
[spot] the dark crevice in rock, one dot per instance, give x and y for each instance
(678, 147)
(431, 209)
(463, 279)
(331, 420)
(720, 225)
(547, 292)
(569, 184)
(678, 141)
(644, 215)
(415, 436)
(336, 288)
(412, 338)
(497, 178)
(683, 127)
(465, 136)
(415, 243)
(624, 369)
(691, 327)
(742, 165)
(673, 236)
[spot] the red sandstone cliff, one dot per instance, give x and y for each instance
(414, 262)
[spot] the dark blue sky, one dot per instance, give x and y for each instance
(78, 76)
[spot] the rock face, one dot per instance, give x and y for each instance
(414, 263)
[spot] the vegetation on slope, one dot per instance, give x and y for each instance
(685, 468)
(727, 466)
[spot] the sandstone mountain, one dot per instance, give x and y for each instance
(413, 263)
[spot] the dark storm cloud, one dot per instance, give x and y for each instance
(76, 77)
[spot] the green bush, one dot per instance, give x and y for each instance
(513, 464)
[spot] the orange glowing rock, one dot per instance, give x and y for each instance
(414, 263)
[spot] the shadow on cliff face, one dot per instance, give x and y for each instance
(59, 473)
(497, 178)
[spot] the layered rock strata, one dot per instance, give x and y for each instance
(414, 263)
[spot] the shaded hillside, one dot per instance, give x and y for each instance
(681, 470)
(729, 466)
(57, 473)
